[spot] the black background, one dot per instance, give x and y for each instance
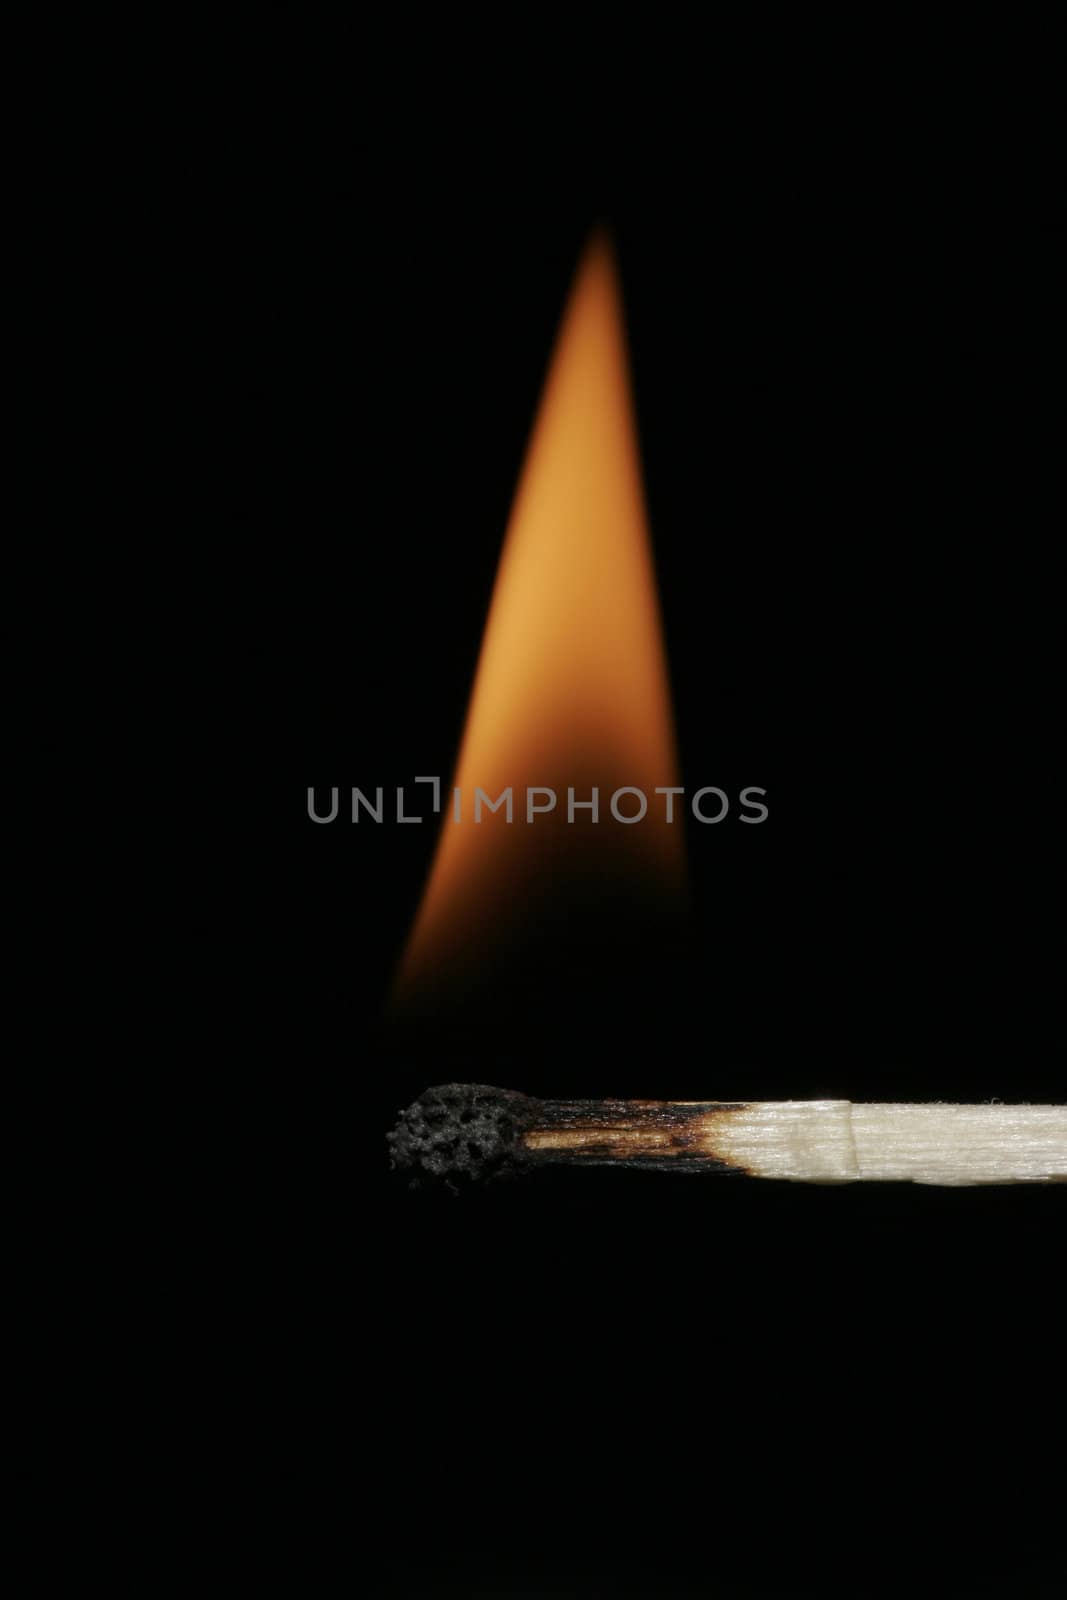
(350, 262)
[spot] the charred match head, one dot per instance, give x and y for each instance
(462, 1130)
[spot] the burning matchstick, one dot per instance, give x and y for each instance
(572, 693)
(471, 1130)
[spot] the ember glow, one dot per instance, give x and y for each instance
(571, 688)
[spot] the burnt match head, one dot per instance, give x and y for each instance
(461, 1130)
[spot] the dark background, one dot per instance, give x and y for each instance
(350, 264)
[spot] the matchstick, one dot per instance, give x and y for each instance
(475, 1131)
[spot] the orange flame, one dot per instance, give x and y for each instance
(571, 688)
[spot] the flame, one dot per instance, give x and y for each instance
(571, 688)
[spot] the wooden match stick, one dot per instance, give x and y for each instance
(475, 1131)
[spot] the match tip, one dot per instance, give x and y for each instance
(461, 1130)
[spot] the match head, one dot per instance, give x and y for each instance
(462, 1130)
